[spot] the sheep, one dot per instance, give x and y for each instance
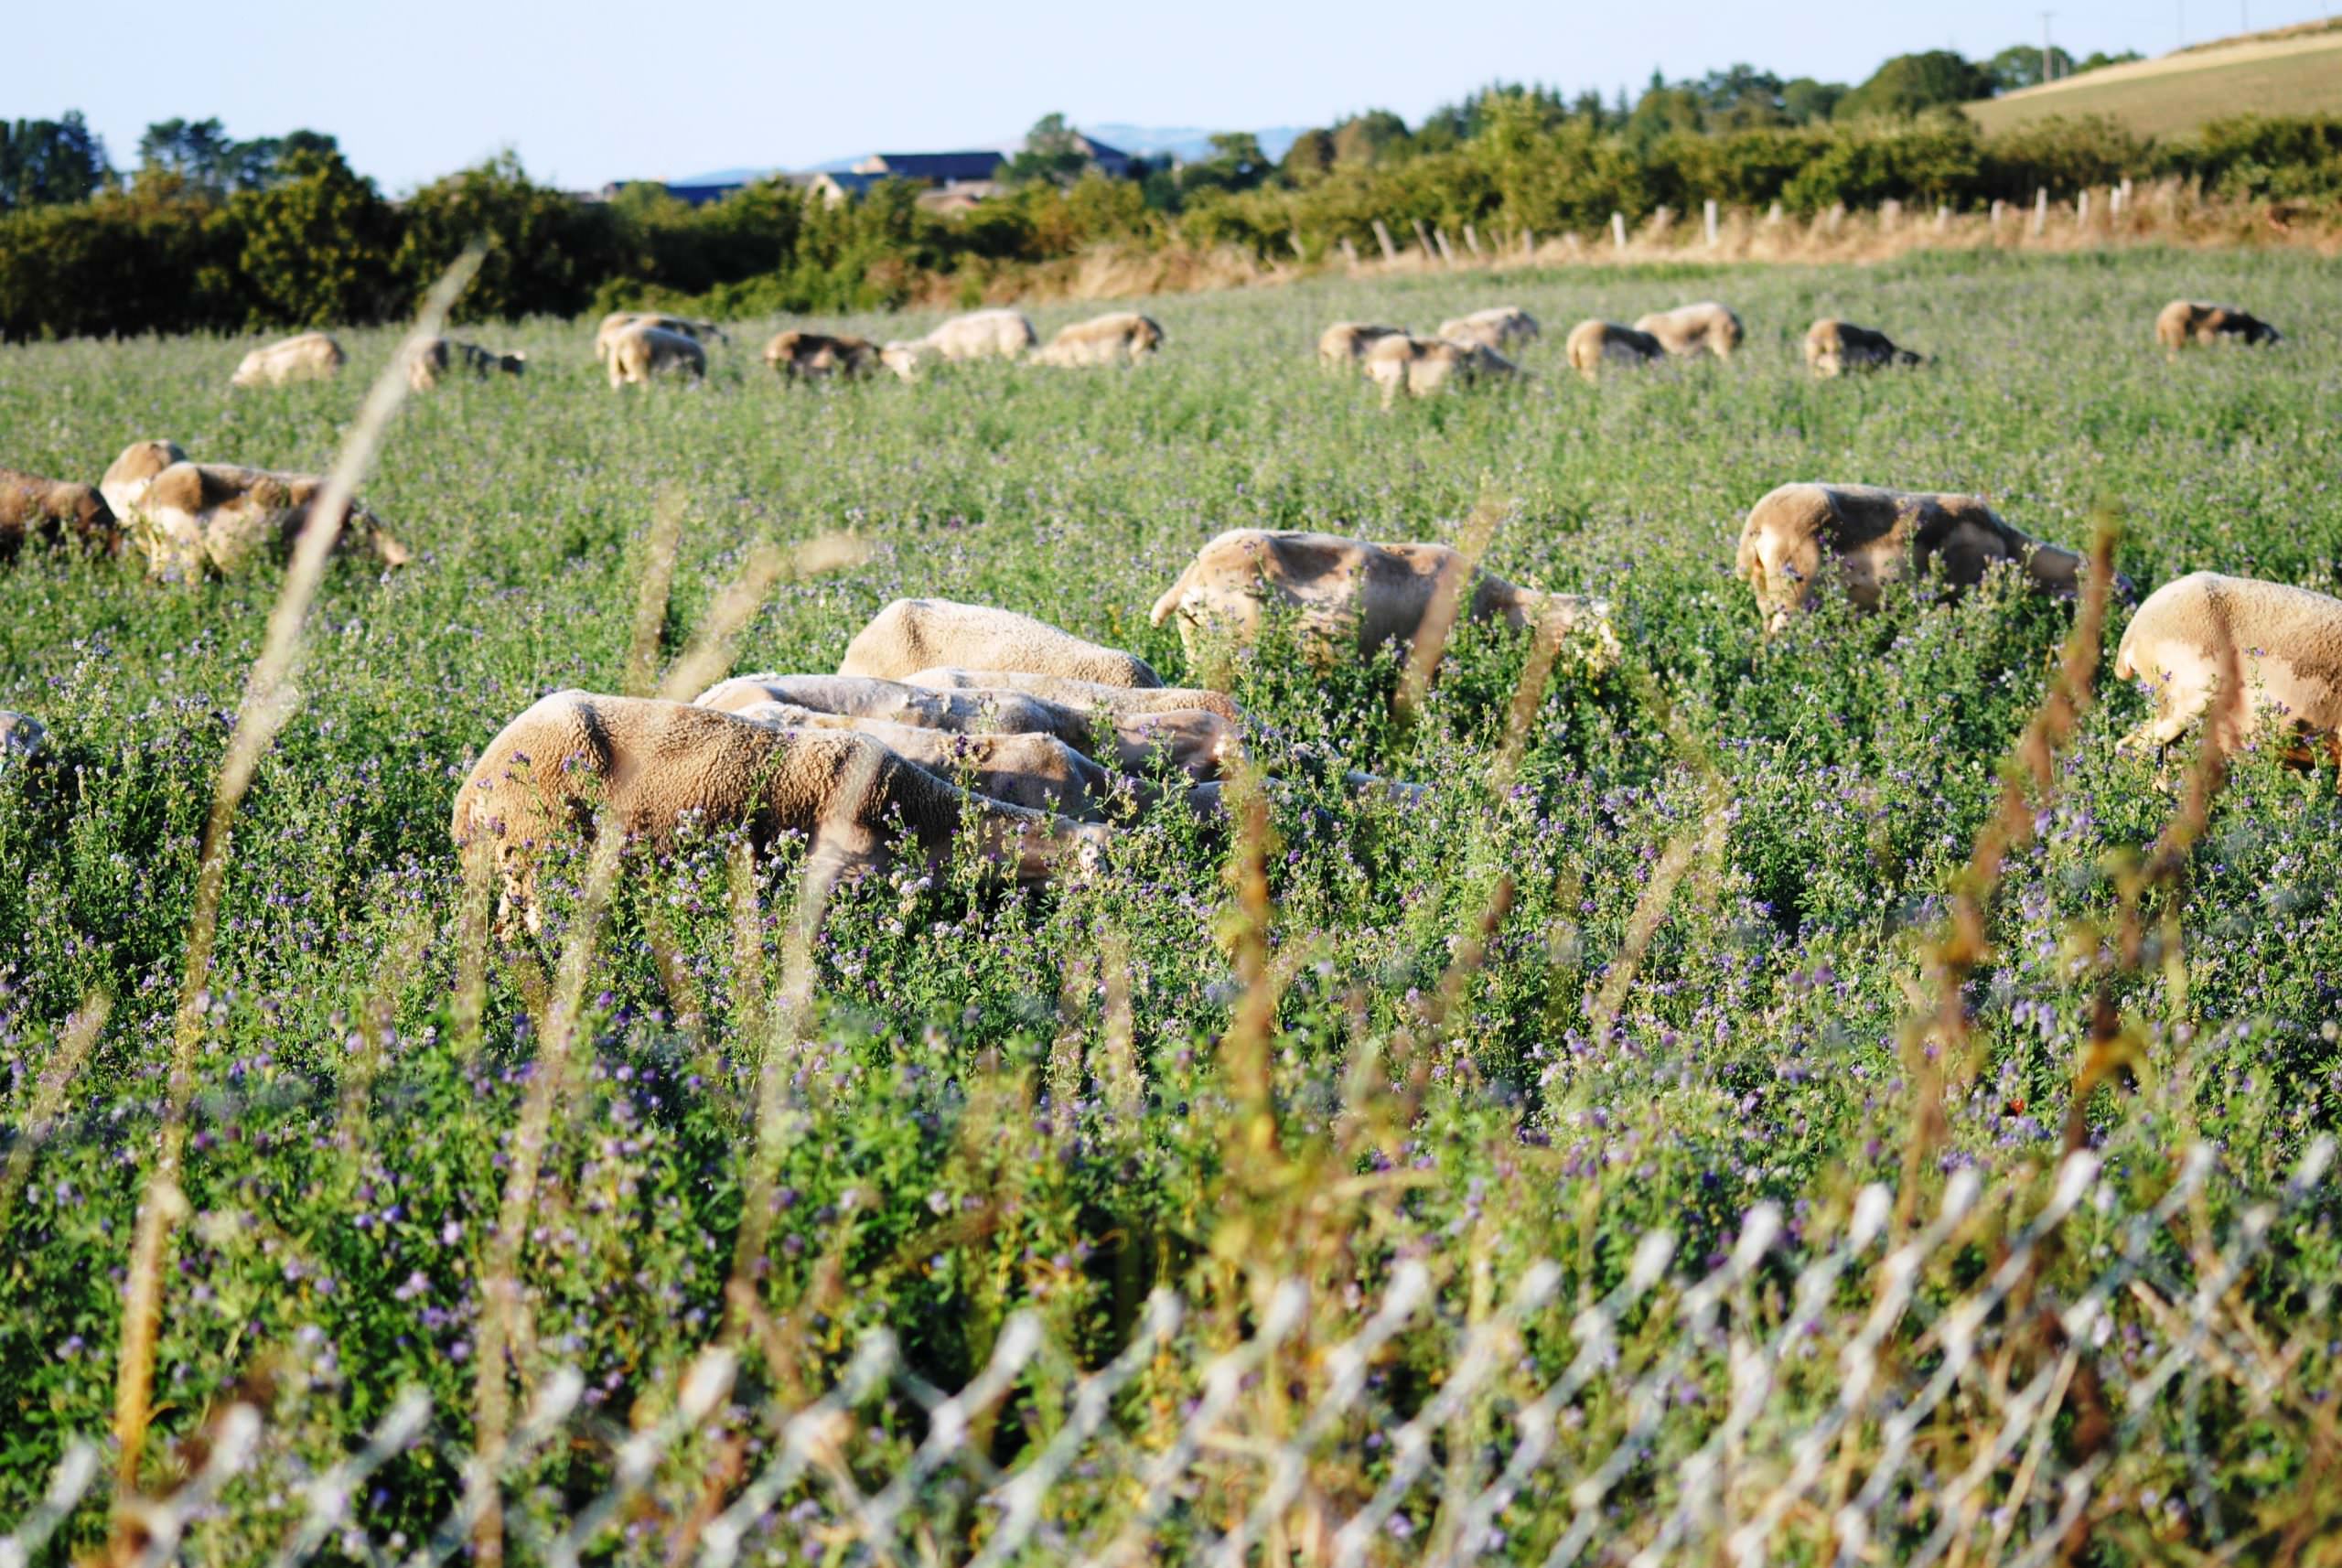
(2287, 643)
(1500, 327)
(639, 352)
(192, 516)
(818, 356)
(1422, 365)
(617, 321)
(1351, 597)
(1123, 337)
(1590, 343)
(432, 364)
(916, 634)
(1037, 771)
(648, 766)
(1833, 347)
(1346, 342)
(310, 356)
(2185, 321)
(51, 511)
(127, 477)
(1706, 327)
(1875, 536)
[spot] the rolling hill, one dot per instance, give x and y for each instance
(2296, 71)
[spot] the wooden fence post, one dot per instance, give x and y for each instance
(1569, 241)
(1618, 231)
(1349, 252)
(1293, 237)
(1446, 252)
(1943, 219)
(2041, 209)
(1528, 243)
(1471, 241)
(1890, 213)
(1837, 217)
(1382, 236)
(2000, 210)
(1422, 238)
(2081, 209)
(1710, 214)
(1773, 217)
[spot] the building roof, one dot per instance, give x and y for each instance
(931, 165)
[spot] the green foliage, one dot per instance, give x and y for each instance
(316, 246)
(2288, 158)
(47, 162)
(546, 253)
(1910, 84)
(1052, 153)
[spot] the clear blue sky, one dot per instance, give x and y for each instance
(587, 90)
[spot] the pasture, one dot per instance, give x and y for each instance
(1641, 964)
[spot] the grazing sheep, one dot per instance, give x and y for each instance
(983, 335)
(194, 515)
(651, 766)
(2185, 321)
(1875, 536)
(1499, 326)
(51, 512)
(1422, 365)
(1072, 691)
(1123, 337)
(127, 477)
(818, 356)
(1706, 327)
(1592, 342)
(917, 634)
(311, 356)
(2287, 643)
(617, 321)
(1039, 772)
(639, 352)
(1833, 347)
(442, 355)
(1349, 597)
(1196, 739)
(1346, 342)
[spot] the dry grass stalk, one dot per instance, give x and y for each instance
(1447, 600)
(1940, 1052)
(74, 1042)
(651, 598)
(269, 701)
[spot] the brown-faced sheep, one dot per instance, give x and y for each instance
(442, 357)
(2287, 643)
(651, 766)
(1833, 347)
(310, 356)
(2185, 321)
(918, 634)
(1875, 537)
(820, 356)
(127, 477)
(1196, 739)
(639, 353)
(1346, 342)
(1422, 365)
(1349, 597)
(1500, 327)
(1121, 338)
(1591, 343)
(53, 511)
(1706, 327)
(192, 516)
(617, 321)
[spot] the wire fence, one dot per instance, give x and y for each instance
(1865, 1399)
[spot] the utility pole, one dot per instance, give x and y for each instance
(2045, 43)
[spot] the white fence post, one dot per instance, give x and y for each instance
(1710, 214)
(1382, 237)
(1471, 241)
(1618, 231)
(1349, 252)
(2081, 209)
(2041, 209)
(1890, 212)
(2000, 210)
(1446, 252)
(1943, 219)
(1773, 217)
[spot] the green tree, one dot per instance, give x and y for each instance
(48, 162)
(1236, 163)
(1807, 101)
(1052, 154)
(1310, 159)
(2019, 67)
(316, 248)
(1370, 138)
(545, 251)
(1910, 83)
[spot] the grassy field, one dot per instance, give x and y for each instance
(1665, 971)
(2171, 95)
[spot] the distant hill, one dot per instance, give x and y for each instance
(2294, 71)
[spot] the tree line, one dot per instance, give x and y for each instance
(214, 234)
